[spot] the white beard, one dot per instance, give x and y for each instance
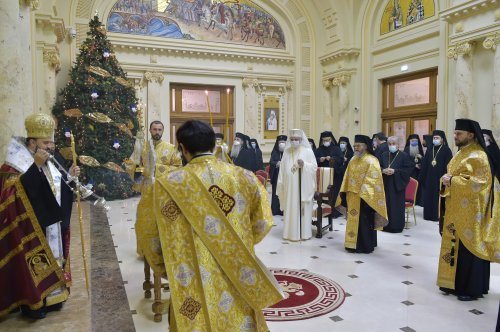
(235, 151)
(414, 150)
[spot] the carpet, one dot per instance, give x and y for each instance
(307, 295)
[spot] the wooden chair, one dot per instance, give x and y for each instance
(157, 286)
(324, 186)
(410, 199)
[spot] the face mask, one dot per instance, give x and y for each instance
(254, 145)
(281, 146)
(374, 144)
(326, 144)
(236, 143)
(295, 143)
(436, 142)
(343, 146)
(414, 143)
(393, 148)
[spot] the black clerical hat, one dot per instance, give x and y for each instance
(219, 135)
(381, 136)
(346, 139)
(281, 138)
(313, 144)
(364, 139)
(489, 133)
(441, 134)
(465, 125)
(327, 134)
(240, 135)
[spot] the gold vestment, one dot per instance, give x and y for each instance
(209, 216)
(362, 181)
(468, 215)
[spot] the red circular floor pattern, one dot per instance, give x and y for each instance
(307, 295)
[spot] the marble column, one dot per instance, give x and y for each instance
(341, 82)
(154, 82)
(463, 78)
(52, 65)
(493, 43)
(251, 88)
(327, 103)
(15, 70)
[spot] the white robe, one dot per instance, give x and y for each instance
(288, 192)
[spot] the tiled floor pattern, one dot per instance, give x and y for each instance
(392, 289)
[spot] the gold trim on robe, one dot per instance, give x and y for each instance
(468, 215)
(208, 227)
(362, 181)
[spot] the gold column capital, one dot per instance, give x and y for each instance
(463, 49)
(51, 56)
(492, 41)
(154, 76)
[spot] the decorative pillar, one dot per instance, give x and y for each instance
(52, 65)
(290, 112)
(493, 42)
(15, 70)
(327, 98)
(341, 81)
(154, 81)
(463, 78)
(251, 88)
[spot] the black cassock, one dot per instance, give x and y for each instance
(472, 277)
(336, 162)
(415, 173)
(367, 235)
(347, 154)
(259, 164)
(395, 186)
(246, 159)
(379, 151)
(429, 179)
(276, 156)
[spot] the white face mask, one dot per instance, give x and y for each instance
(327, 144)
(295, 143)
(236, 143)
(281, 146)
(436, 142)
(343, 146)
(254, 145)
(393, 148)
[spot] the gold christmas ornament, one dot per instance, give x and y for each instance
(73, 113)
(88, 161)
(114, 167)
(124, 82)
(99, 117)
(40, 125)
(98, 71)
(124, 128)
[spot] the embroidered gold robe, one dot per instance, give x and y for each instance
(362, 181)
(209, 216)
(221, 153)
(468, 215)
(164, 160)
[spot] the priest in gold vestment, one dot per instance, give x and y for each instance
(470, 234)
(159, 158)
(363, 188)
(209, 216)
(221, 149)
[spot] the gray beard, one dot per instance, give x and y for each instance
(413, 150)
(235, 151)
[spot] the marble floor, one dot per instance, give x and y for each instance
(393, 289)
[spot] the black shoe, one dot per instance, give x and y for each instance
(466, 298)
(447, 291)
(350, 250)
(54, 307)
(34, 314)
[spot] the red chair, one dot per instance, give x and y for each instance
(261, 179)
(262, 173)
(410, 199)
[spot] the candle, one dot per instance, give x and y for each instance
(209, 110)
(227, 114)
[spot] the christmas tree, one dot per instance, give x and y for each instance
(98, 106)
